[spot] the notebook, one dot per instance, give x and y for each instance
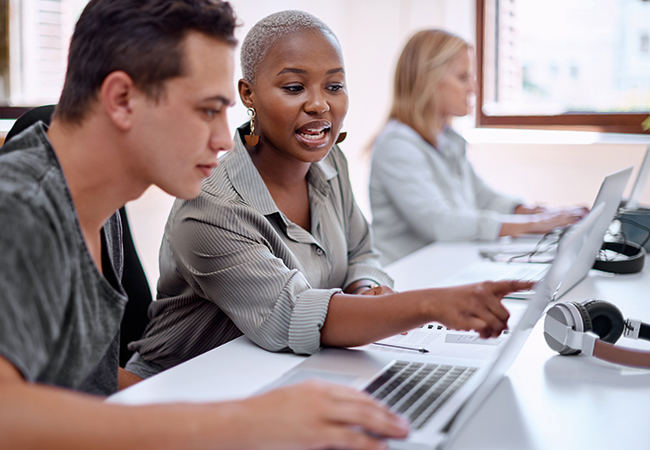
(609, 198)
(437, 393)
(640, 182)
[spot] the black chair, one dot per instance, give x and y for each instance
(134, 280)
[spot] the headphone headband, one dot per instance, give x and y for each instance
(632, 264)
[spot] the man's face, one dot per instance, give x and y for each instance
(177, 138)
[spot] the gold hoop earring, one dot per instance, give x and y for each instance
(252, 140)
(342, 136)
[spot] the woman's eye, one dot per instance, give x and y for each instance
(335, 87)
(293, 88)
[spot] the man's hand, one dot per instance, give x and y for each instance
(319, 415)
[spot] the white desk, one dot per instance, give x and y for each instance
(545, 401)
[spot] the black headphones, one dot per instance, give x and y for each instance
(632, 264)
(592, 327)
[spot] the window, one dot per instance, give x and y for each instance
(581, 64)
(33, 51)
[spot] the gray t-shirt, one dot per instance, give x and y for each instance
(59, 316)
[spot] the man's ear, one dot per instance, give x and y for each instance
(117, 94)
(246, 93)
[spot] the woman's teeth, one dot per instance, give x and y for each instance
(313, 134)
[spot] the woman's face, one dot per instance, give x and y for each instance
(456, 91)
(300, 96)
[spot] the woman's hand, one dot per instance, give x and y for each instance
(475, 307)
(547, 221)
(543, 222)
(523, 209)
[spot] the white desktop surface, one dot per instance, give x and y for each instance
(545, 401)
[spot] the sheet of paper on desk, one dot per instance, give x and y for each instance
(413, 339)
(471, 338)
(435, 342)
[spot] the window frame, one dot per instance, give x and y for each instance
(601, 122)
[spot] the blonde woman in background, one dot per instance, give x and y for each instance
(422, 187)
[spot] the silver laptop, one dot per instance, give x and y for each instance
(430, 389)
(640, 182)
(609, 196)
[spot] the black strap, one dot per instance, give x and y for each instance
(644, 332)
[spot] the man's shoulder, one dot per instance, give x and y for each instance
(33, 194)
(25, 163)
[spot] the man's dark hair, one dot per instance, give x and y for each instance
(143, 38)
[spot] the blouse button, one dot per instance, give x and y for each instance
(319, 251)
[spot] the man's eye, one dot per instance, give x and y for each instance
(210, 113)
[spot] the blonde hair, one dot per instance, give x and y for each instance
(421, 67)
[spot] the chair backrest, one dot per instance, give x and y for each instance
(134, 279)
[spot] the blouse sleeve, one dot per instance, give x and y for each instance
(489, 199)
(226, 257)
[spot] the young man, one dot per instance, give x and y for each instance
(144, 103)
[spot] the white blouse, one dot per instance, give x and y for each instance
(420, 194)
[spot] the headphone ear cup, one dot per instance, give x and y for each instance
(606, 320)
(572, 314)
(586, 318)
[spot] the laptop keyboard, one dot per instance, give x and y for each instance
(418, 390)
(529, 272)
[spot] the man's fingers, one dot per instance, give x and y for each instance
(373, 419)
(349, 438)
(358, 409)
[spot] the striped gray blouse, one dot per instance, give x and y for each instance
(231, 263)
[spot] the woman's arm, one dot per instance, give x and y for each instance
(363, 319)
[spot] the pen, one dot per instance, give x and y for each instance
(415, 349)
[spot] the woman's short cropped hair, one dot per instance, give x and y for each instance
(423, 64)
(264, 33)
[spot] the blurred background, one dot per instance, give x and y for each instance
(539, 58)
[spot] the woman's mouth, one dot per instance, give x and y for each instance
(314, 134)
